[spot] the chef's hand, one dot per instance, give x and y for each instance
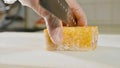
(78, 13)
(53, 24)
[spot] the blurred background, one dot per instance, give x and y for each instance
(103, 13)
(22, 40)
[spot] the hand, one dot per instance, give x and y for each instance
(77, 13)
(53, 24)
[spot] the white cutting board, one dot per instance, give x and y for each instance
(26, 50)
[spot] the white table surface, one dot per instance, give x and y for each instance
(27, 50)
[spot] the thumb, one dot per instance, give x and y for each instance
(54, 27)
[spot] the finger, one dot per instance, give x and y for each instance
(54, 27)
(80, 17)
(77, 12)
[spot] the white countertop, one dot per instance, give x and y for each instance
(27, 50)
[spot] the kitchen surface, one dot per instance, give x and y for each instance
(27, 50)
(23, 45)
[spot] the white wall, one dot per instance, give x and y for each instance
(102, 11)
